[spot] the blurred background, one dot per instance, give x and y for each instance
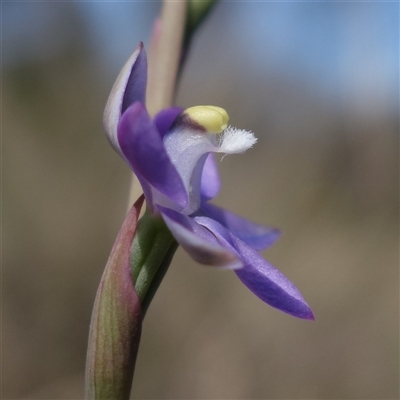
(318, 82)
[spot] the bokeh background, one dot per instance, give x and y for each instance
(318, 82)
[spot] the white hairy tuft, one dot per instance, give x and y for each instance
(234, 140)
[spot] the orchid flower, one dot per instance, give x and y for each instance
(172, 157)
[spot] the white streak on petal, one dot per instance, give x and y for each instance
(199, 242)
(112, 112)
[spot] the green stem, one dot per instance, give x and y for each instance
(158, 277)
(152, 249)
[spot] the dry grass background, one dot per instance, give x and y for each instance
(327, 176)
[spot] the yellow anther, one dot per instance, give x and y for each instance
(213, 119)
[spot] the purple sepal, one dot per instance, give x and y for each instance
(143, 147)
(210, 182)
(130, 86)
(259, 237)
(202, 245)
(135, 89)
(265, 281)
(165, 118)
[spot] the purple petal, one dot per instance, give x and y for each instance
(202, 245)
(265, 281)
(165, 118)
(270, 285)
(129, 87)
(144, 149)
(257, 236)
(210, 183)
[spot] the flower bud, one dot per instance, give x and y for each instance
(116, 322)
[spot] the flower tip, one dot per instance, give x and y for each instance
(310, 316)
(304, 312)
